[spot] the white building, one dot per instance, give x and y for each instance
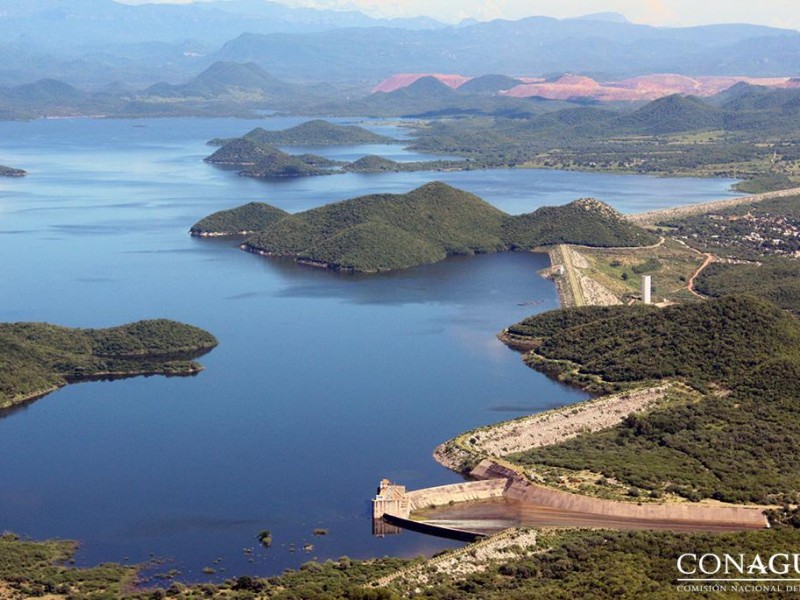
(646, 289)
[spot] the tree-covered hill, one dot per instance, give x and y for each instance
(671, 114)
(395, 231)
(777, 280)
(387, 231)
(715, 341)
(488, 84)
(36, 358)
(261, 160)
(372, 164)
(587, 222)
(227, 79)
(315, 133)
(736, 444)
(242, 220)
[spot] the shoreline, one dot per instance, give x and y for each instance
(19, 401)
(690, 210)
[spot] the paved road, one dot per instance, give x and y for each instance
(572, 275)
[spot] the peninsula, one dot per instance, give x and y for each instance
(736, 356)
(38, 358)
(11, 172)
(395, 231)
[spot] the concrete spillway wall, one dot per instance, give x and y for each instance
(432, 529)
(530, 493)
(519, 489)
(457, 492)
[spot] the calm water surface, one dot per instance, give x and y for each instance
(322, 383)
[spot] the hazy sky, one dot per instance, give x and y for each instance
(777, 13)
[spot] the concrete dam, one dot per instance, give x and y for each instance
(500, 498)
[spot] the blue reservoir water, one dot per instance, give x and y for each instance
(322, 384)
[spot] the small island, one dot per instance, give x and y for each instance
(11, 172)
(38, 358)
(256, 159)
(313, 133)
(382, 232)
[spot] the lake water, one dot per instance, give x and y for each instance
(322, 384)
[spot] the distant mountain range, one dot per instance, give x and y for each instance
(93, 43)
(96, 42)
(571, 87)
(86, 23)
(536, 46)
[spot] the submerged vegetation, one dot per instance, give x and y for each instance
(37, 358)
(569, 564)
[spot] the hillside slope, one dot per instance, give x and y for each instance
(242, 220)
(261, 160)
(387, 231)
(736, 444)
(36, 358)
(317, 133)
(394, 231)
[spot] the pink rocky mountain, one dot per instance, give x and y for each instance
(401, 80)
(568, 87)
(643, 87)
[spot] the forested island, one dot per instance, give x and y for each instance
(256, 159)
(395, 231)
(255, 155)
(38, 358)
(317, 132)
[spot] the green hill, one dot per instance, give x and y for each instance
(371, 233)
(671, 114)
(317, 133)
(36, 358)
(488, 84)
(394, 231)
(260, 160)
(46, 91)
(705, 342)
(427, 87)
(243, 220)
(587, 222)
(228, 79)
(738, 443)
(777, 280)
(373, 164)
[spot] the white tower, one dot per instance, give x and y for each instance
(646, 287)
